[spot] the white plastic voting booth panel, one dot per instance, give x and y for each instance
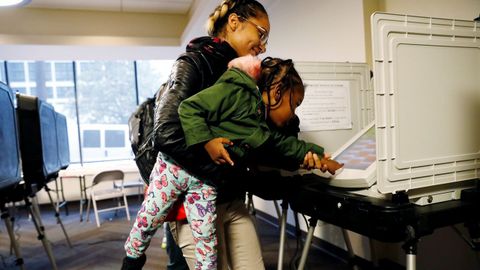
(427, 105)
(325, 82)
(326, 79)
(359, 158)
(427, 101)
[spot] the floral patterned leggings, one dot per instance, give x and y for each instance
(167, 182)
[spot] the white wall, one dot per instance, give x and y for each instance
(313, 30)
(458, 9)
(77, 52)
(53, 34)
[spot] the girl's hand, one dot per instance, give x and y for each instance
(332, 165)
(217, 152)
(313, 161)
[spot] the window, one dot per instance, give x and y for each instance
(64, 92)
(3, 76)
(114, 138)
(16, 71)
(151, 75)
(105, 94)
(106, 98)
(91, 139)
(63, 71)
(30, 77)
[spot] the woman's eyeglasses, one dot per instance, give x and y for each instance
(262, 32)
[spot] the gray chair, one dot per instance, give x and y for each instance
(138, 184)
(102, 192)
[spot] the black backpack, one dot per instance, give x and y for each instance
(141, 123)
(140, 127)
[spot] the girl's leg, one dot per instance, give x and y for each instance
(164, 189)
(202, 216)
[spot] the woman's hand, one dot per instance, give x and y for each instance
(217, 152)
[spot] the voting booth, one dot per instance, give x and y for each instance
(337, 107)
(338, 102)
(415, 167)
(35, 138)
(9, 164)
(427, 103)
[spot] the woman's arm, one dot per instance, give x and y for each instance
(184, 81)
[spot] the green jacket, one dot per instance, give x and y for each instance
(232, 108)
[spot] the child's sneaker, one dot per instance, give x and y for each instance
(164, 240)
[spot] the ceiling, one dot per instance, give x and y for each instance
(78, 24)
(150, 6)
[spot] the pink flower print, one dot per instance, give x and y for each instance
(207, 192)
(195, 224)
(162, 183)
(192, 198)
(164, 197)
(154, 210)
(142, 222)
(162, 166)
(174, 170)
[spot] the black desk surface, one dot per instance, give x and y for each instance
(383, 220)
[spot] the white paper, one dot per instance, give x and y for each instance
(326, 106)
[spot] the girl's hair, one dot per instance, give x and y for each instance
(276, 71)
(244, 8)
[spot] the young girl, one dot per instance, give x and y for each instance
(168, 182)
(230, 118)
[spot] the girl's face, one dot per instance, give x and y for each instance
(248, 35)
(283, 108)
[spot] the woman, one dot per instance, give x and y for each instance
(236, 28)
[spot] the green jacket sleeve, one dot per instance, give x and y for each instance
(209, 105)
(293, 148)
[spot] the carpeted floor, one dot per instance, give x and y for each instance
(102, 248)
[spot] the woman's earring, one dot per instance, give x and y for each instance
(278, 95)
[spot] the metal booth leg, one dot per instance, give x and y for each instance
(41, 234)
(410, 247)
(57, 215)
(59, 192)
(308, 242)
(411, 257)
(250, 205)
(83, 195)
(36, 211)
(277, 209)
(351, 254)
(8, 224)
(283, 228)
